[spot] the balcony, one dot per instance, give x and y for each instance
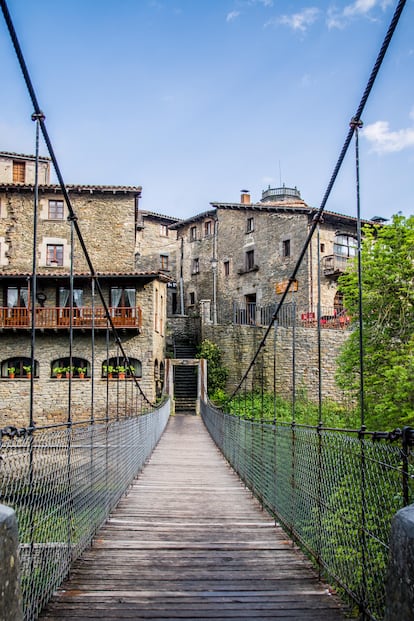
(59, 318)
(334, 265)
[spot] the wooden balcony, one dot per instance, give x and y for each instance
(83, 317)
(334, 265)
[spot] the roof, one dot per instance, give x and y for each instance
(157, 216)
(72, 189)
(288, 206)
(54, 273)
(200, 216)
(23, 156)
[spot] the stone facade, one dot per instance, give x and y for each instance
(156, 250)
(136, 298)
(243, 253)
(238, 344)
(17, 168)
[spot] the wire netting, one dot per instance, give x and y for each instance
(62, 483)
(334, 491)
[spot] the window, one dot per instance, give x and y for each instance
(345, 246)
(67, 367)
(208, 228)
(54, 255)
(17, 297)
(195, 269)
(122, 301)
(322, 247)
(192, 298)
(163, 230)
(19, 172)
(286, 248)
(249, 225)
(227, 268)
(193, 233)
(19, 366)
(249, 260)
(112, 367)
(56, 211)
(164, 262)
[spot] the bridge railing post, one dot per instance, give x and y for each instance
(400, 576)
(10, 593)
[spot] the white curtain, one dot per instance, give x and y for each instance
(116, 293)
(24, 295)
(130, 299)
(78, 297)
(11, 297)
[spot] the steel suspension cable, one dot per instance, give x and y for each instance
(72, 215)
(317, 218)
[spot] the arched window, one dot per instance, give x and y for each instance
(19, 366)
(112, 367)
(62, 367)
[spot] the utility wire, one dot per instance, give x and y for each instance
(72, 216)
(318, 216)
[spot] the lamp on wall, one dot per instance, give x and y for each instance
(41, 298)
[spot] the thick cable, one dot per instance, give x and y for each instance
(318, 215)
(72, 215)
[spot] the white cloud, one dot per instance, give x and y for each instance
(232, 16)
(299, 21)
(383, 140)
(358, 8)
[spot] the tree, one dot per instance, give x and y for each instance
(387, 261)
(216, 372)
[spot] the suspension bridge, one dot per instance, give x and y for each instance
(132, 513)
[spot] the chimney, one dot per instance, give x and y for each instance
(245, 197)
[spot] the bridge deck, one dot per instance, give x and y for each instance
(190, 542)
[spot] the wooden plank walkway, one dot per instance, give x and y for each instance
(190, 542)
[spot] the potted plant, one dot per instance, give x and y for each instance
(81, 372)
(58, 371)
(28, 370)
(69, 371)
(121, 371)
(11, 371)
(131, 369)
(108, 370)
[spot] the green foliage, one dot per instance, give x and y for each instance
(267, 406)
(387, 258)
(216, 373)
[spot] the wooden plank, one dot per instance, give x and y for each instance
(189, 541)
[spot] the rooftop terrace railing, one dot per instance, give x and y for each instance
(334, 491)
(63, 481)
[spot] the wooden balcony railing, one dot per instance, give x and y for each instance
(82, 317)
(334, 264)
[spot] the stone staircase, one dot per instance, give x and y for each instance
(185, 378)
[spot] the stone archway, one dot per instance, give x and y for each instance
(200, 364)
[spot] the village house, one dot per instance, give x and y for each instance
(236, 259)
(68, 308)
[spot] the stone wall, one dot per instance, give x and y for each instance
(238, 345)
(106, 221)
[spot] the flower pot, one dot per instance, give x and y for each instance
(121, 376)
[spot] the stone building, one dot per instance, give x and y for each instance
(156, 250)
(236, 258)
(70, 306)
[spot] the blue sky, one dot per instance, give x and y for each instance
(198, 99)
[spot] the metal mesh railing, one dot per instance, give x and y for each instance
(63, 482)
(334, 491)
